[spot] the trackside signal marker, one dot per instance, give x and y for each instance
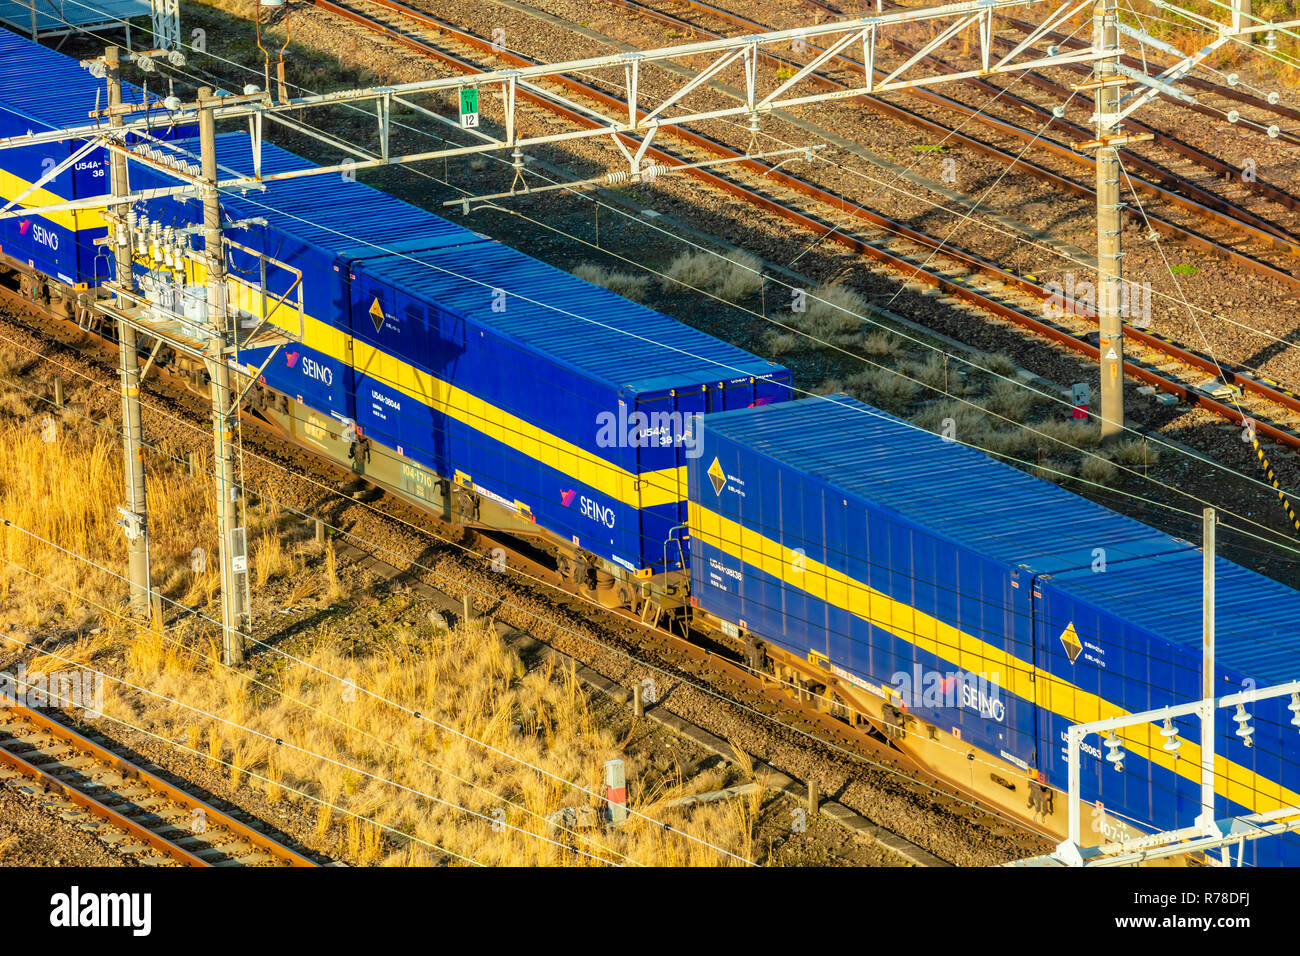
(469, 107)
(616, 791)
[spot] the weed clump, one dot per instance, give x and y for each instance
(732, 277)
(626, 284)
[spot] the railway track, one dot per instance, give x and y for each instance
(133, 811)
(1232, 220)
(1231, 393)
(662, 652)
(619, 645)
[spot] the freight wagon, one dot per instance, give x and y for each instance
(54, 258)
(975, 612)
(489, 386)
(496, 390)
(969, 610)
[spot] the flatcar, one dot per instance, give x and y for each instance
(975, 612)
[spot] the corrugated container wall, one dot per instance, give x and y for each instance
(42, 90)
(829, 526)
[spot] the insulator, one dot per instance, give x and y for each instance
(176, 58)
(617, 176)
(1058, 111)
(1233, 79)
(1116, 748)
(172, 103)
(252, 88)
(1272, 132)
(1053, 50)
(1245, 730)
(1170, 733)
(1233, 116)
(1273, 98)
(651, 171)
(169, 243)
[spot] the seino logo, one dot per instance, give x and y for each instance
(321, 373)
(594, 510)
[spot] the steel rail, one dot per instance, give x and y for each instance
(1205, 204)
(101, 810)
(818, 227)
(215, 818)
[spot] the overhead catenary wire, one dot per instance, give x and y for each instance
(277, 783)
(446, 728)
(290, 745)
(216, 661)
(699, 687)
(1055, 398)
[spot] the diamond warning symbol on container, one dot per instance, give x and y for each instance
(1070, 641)
(717, 476)
(377, 314)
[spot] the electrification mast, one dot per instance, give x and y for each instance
(1105, 37)
(232, 546)
(134, 516)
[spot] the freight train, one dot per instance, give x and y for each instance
(902, 582)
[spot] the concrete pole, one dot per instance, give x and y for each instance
(232, 643)
(1105, 36)
(1241, 16)
(1207, 665)
(128, 363)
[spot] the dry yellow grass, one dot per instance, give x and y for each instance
(733, 276)
(374, 783)
(61, 484)
(394, 769)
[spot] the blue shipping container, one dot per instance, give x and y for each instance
(829, 526)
